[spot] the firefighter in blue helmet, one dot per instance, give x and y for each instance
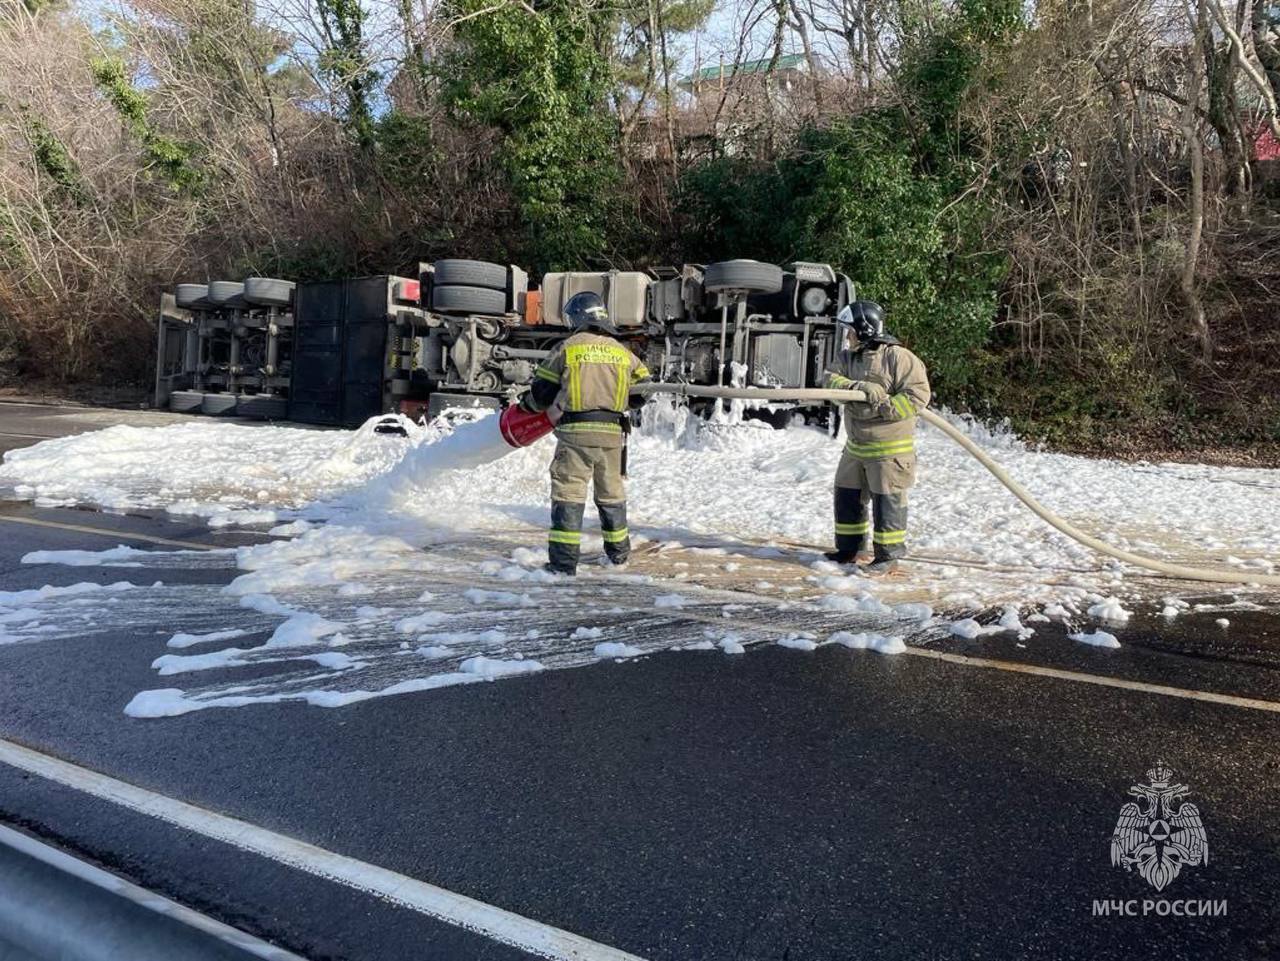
(589, 377)
(878, 465)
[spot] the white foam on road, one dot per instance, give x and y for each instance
(358, 506)
(617, 649)
(121, 556)
(749, 482)
(181, 640)
(1096, 639)
(880, 643)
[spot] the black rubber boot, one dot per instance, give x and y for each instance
(564, 540)
(841, 557)
(851, 523)
(880, 567)
(613, 529)
(890, 537)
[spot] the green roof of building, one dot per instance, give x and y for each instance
(785, 62)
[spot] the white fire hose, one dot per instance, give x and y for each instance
(845, 396)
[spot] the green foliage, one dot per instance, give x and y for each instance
(734, 208)
(866, 206)
(405, 148)
(53, 161)
(883, 195)
(539, 78)
(346, 61)
(172, 161)
(635, 50)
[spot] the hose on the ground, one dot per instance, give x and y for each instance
(1020, 492)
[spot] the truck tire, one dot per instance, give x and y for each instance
(268, 292)
(218, 405)
(470, 273)
(262, 407)
(223, 292)
(185, 401)
(191, 295)
(749, 275)
(469, 300)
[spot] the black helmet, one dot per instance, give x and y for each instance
(586, 310)
(866, 319)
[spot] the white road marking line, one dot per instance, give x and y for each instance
(500, 925)
(1013, 666)
(69, 864)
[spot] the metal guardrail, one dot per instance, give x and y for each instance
(55, 906)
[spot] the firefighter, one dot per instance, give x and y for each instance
(878, 464)
(588, 378)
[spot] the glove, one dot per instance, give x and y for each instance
(526, 403)
(876, 395)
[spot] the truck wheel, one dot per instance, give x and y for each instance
(218, 404)
(749, 275)
(262, 407)
(469, 300)
(191, 295)
(223, 292)
(470, 273)
(268, 292)
(185, 401)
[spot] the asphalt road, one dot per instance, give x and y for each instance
(808, 806)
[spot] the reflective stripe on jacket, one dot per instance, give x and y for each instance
(886, 429)
(595, 373)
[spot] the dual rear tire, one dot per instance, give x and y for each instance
(255, 406)
(470, 287)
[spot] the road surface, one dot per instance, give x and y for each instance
(954, 802)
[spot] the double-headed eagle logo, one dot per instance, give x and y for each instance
(1154, 836)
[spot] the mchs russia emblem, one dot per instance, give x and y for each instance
(1155, 836)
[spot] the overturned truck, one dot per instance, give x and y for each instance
(470, 333)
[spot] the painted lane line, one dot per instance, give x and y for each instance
(1013, 666)
(105, 532)
(84, 871)
(495, 923)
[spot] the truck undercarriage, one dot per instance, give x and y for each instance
(470, 333)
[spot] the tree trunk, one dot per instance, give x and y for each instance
(1198, 17)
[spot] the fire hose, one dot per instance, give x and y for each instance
(1020, 492)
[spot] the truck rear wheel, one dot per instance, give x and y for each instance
(749, 275)
(191, 295)
(268, 291)
(469, 300)
(470, 273)
(225, 292)
(262, 407)
(185, 401)
(218, 404)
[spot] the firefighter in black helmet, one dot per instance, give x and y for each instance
(878, 465)
(589, 378)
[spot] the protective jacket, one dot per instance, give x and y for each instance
(589, 376)
(878, 465)
(898, 386)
